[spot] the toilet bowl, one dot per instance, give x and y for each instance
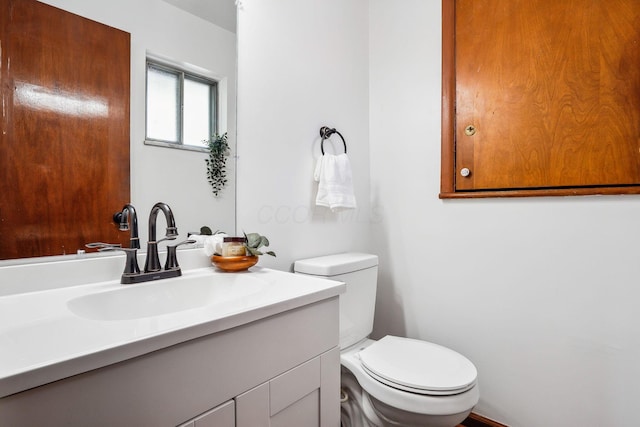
(394, 381)
(408, 394)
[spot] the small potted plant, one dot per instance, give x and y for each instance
(251, 248)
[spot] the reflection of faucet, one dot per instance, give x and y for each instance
(128, 219)
(153, 261)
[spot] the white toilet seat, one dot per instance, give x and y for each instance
(418, 366)
(406, 400)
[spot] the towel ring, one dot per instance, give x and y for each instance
(325, 133)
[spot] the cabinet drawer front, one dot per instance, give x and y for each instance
(222, 416)
(305, 412)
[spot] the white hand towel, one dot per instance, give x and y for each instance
(335, 183)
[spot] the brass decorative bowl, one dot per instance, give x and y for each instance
(234, 263)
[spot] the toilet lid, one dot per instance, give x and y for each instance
(418, 366)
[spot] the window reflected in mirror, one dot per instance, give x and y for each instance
(181, 107)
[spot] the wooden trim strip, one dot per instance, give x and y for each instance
(475, 420)
(546, 192)
(447, 168)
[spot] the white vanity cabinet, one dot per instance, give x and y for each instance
(280, 370)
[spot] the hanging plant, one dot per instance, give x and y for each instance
(217, 162)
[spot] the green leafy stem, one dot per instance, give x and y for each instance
(217, 162)
(253, 243)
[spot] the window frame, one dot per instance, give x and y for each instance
(183, 75)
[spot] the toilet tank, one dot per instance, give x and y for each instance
(359, 272)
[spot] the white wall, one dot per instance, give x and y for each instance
(302, 64)
(176, 177)
(540, 293)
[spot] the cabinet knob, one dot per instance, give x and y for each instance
(470, 130)
(465, 172)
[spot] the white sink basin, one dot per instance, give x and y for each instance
(165, 297)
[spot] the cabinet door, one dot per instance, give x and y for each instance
(295, 396)
(253, 407)
(220, 416)
(307, 395)
(65, 133)
(291, 399)
(542, 96)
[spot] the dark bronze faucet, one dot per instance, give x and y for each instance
(128, 220)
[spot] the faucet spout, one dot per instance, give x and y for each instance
(153, 261)
(172, 231)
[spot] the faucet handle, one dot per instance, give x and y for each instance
(131, 267)
(100, 246)
(172, 256)
(166, 238)
(131, 263)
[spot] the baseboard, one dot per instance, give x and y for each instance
(475, 420)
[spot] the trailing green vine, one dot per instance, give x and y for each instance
(217, 162)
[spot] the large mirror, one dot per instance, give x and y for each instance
(199, 37)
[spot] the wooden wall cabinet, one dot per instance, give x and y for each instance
(540, 98)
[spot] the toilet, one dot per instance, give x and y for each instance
(393, 381)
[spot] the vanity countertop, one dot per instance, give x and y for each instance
(45, 335)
